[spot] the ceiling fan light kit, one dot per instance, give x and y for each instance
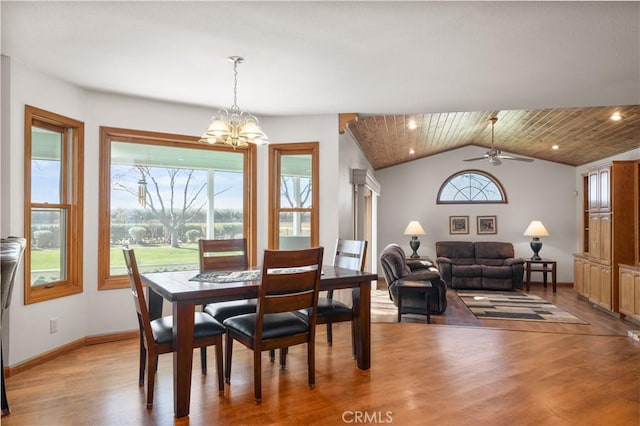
(495, 155)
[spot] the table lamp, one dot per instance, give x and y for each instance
(414, 229)
(536, 230)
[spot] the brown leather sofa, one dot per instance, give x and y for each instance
(479, 265)
(396, 268)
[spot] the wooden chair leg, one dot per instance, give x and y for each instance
(152, 366)
(219, 366)
(203, 359)
(353, 339)
(143, 362)
(329, 334)
(311, 363)
(283, 357)
(227, 357)
(5, 402)
(257, 374)
(272, 355)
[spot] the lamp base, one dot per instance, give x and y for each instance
(415, 245)
(536, 245)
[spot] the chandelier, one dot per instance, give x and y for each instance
(234, 127)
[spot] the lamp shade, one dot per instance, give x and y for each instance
(414, 228)
(536, 229)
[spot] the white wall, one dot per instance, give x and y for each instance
(535, 191)
(351, 157)
(29, 325)
(100, 312)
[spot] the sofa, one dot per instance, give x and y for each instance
(479, 265)
(396, 268)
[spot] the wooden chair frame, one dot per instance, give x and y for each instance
(290, 282)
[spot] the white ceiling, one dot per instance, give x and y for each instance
(332, 57)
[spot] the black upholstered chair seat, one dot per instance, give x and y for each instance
(204, 326)
(274, 325)
(223, 310)
(331, 307)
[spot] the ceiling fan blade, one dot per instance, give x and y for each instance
(477, 158)
(508, 157)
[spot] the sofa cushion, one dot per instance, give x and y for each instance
(466, 270)
(501, 272)
(458, 252)
(492, 253)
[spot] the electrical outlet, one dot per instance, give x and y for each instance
(53, 325)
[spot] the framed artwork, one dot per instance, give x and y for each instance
(458, 224)
(487, 225)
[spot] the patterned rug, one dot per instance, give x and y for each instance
(514, 305)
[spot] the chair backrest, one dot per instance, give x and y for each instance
(394, 263)
(290, 282)
(144, 320)
(350, 254)
(12, 249)
(220, 255)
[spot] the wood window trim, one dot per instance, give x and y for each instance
(109, 134)
(275, 152)
(72, 163)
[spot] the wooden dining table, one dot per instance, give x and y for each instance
(184, 295)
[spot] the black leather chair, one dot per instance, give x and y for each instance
(157, 335)
(396, 267)
(290, 282)
(12, 249)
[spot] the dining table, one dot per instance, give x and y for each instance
(184, 293)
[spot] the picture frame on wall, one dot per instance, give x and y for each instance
(458, 225)
(487, 225)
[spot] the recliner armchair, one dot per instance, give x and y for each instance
(396, 267)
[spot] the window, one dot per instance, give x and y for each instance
(53, 205)
(161, 193)
(471, 186)
(293, 196)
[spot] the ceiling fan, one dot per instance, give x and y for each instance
(495, 155)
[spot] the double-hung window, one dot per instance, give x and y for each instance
(53, 205)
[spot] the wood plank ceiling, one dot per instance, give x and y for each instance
(583, 135)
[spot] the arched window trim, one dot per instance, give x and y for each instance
(489, 176)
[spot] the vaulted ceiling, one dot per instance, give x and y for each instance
(552, 72)
(572, 136)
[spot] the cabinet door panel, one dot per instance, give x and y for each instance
(586, 277)
(578, 281)
(604, 193)
(594, 280)
(605, 238)
(627, 302)
(604, 282)
(593, 190)
(594, 236)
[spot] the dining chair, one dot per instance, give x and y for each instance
(225, 255)
(157, 335)
(290, 282)
(349, 254)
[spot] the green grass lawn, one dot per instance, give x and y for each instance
(48, 259)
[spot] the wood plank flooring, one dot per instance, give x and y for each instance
(443, 373)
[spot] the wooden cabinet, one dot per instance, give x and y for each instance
(630, 292)
(611, 200)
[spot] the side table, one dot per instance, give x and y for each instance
(543, 265)
(404, 285)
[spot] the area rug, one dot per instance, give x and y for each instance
(514, 305)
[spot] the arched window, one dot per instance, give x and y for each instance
(471, 187)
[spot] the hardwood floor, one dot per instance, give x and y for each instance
(443, 373)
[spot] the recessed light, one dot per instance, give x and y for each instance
(412, 151)
(555, 147)
(616, 116)
(412, 124)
